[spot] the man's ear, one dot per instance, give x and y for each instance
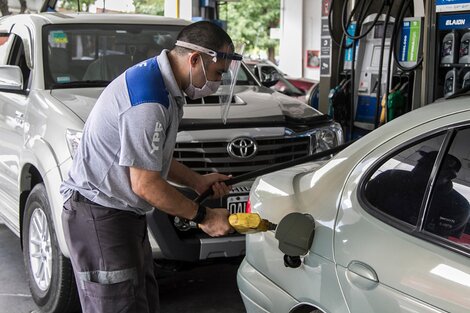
(194, 58)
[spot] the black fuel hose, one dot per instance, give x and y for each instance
(396, 28)
(247, 176)
(363, 34)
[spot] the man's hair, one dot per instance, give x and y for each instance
(205, 34)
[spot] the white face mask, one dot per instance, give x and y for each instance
(209, 87)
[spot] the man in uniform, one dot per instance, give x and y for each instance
(122, 168)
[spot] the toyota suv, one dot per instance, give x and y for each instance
(54, 67)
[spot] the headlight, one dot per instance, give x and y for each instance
(73, 138)
(327, 138)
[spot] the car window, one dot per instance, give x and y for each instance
(16, 56)
(86, 53)
(6, 41)
(398, 186)
(83, 55)
(449, 209)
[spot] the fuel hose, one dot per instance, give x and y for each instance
(247, 176)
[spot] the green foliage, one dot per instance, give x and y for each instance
(153, 7)
(72, 5)
(250, 21)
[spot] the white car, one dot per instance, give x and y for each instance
(54, 66)
(389, 220)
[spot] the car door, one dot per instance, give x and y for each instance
(12, 114)
(390, 255)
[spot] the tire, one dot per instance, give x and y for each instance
(49, 273)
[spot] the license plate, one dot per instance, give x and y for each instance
(237, 204)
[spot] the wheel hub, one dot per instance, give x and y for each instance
(40, 254)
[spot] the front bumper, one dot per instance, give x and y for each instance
(193, 245)
(259, 294)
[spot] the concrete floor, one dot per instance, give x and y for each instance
(207, 289)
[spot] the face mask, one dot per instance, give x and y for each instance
(209, 87)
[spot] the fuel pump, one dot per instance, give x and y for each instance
(372, 73)
(382, 59)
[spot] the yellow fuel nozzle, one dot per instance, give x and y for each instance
(248, 223)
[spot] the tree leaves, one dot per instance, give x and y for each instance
(250, 21)
(153, 7)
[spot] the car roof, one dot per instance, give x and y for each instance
(103, 18)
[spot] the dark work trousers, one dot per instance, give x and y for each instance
(111, 258)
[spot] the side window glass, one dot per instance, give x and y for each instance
(449, 209)
(17, 57)
(398, 186)
(6, 41)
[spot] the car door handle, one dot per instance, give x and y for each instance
(19, 118)
(362, 275)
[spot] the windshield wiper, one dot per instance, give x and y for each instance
(81, 83)
(459, 93)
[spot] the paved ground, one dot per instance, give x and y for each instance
(207, 289)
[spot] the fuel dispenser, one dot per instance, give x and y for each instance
(380, 73)
(372, 73)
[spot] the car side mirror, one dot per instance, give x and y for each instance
(11, 77)
(269, 80)
(267, 75)
(295, 234)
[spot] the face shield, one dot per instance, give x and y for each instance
(229, 78)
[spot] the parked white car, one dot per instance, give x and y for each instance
(389, 220)
(53, 67)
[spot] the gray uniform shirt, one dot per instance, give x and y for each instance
(134, 123)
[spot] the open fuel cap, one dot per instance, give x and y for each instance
(295, 234)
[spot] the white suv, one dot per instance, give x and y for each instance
(53, 67)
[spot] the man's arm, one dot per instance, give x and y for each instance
(183, 175)
(150, 186)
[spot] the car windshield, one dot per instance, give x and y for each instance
(92, 55)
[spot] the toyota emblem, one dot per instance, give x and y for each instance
(242, 148)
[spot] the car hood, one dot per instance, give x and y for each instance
(250, 104)
(78, 100)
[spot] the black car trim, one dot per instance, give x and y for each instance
(265, 121)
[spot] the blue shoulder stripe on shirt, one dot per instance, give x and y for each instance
(145, 84)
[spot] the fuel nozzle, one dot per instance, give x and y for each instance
(249, 223)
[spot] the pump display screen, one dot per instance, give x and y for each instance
(379, 31)
(375, 60)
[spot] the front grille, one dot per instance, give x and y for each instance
(208, 157)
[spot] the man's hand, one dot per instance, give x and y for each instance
(216, 222)
(216, 181)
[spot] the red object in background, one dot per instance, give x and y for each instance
(464, 239)
(303, 84)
